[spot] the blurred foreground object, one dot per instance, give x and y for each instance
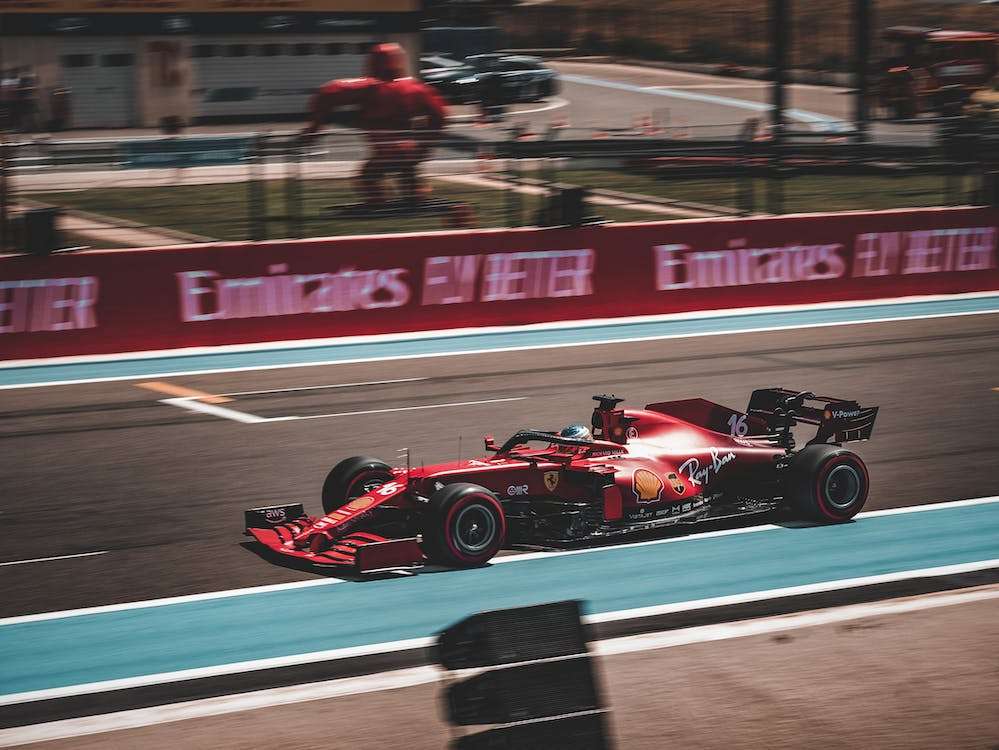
(933, 70)
(538, 686)
(403, 118)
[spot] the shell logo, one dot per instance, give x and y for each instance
(647, 486)
(360, 503)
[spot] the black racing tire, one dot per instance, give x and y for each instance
(464, 526)
(827, 484)
(351, 478)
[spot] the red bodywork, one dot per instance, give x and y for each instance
(663, 464)
(402, 117)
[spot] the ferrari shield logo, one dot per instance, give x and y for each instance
(674, 480)
(551, 480)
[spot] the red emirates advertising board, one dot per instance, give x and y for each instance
(97, 302)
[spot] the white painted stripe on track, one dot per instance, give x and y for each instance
(930, 506)
(741, 629)
(415, 676)
(401, 408)
(324, 387)
(58, 614)
(810, 588)
(222, 669)
(193, 403)
(742, 530)
(582, 323)
(577, 325)
(49, 559)
(165, 601)
(393, 646)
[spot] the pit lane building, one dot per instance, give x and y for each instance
(135, 62)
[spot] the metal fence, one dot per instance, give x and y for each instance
(158, 191)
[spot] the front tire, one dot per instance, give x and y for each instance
(352, 478)
(464, 526)
(827, 483)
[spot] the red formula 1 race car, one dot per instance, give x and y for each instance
(637, 469)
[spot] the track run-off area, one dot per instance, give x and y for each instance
(128, 583)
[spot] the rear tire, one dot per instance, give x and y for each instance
(827, 483)
(464, 526)
(352, 478)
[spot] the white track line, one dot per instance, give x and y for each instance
(744, 628)
(166, 601)
(416, 676)
(223, 669)
(57, 557)
(324, 387)
(401, 408)
(453, 333)
(59, 614)
(811, 588)
(193, 403)
(393, 646)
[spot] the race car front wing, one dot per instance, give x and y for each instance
(279, 528)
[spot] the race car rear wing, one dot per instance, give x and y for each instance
(838, 419)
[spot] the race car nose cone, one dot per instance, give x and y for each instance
(319, 543)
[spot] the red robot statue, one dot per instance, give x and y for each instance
(402, 116)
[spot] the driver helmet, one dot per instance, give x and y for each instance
(577, 432)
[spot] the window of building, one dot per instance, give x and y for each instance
(272, 50)
(203, 50)
(333, 49)
(301, 50)
(118, 60)
(237, 50)
(77, 61)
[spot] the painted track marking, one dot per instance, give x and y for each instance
(277, 662)
(225, 594)
(405, 408)
(416, 676)
(174, 389)
(194, 404)
(48, 559)
(488, 340)
(243, 417)
(325, 387)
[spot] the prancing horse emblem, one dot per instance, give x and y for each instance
(551, 480)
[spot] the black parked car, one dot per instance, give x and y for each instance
(522, 78)
(510, 78)
(455, 81)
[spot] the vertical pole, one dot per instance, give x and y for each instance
(256, 203)
(861, 62)
(514, 209)
(3, 158)
(4, 192)
(780, 31)
(780, 24)
(292, 187)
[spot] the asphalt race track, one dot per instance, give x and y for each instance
(159, 490)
